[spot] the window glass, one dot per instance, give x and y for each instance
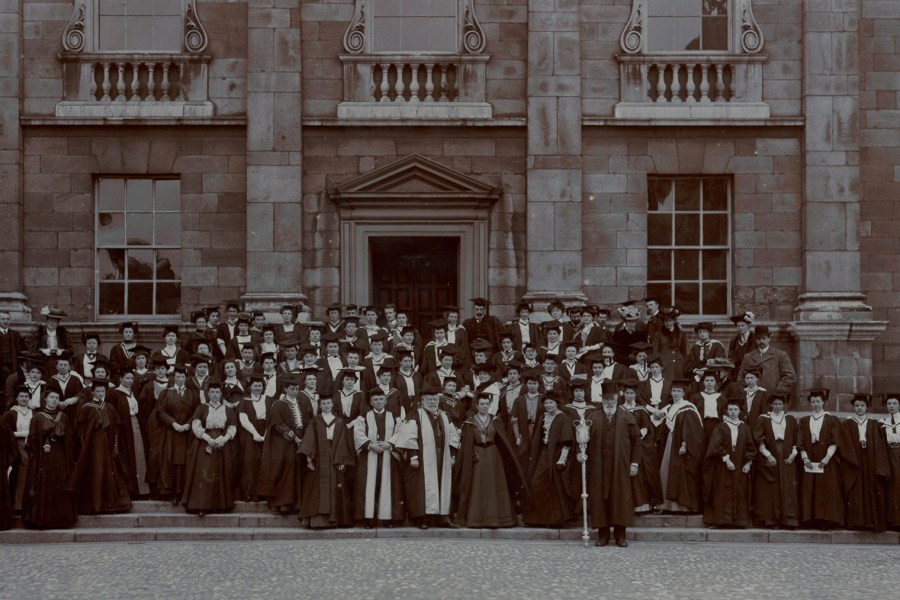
(692, 25)
(416, 26)
(141, 25)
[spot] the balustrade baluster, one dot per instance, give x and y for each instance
(414, 83)
(106, 85)
(372, 82)
(676, 83)
(444, 97)
(720, 82)
(385, 86)
(165, 82)
(151, 82)
(180, 90)
(691, 87)
(645, 78)
(661, 83)
(429, 82)
(730, 83)
(120, 83)
(704, 83)
(94, 81)
(135, 82)
(400, 86)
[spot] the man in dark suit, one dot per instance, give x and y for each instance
(482, 325)
(777, 375)
(10, 347)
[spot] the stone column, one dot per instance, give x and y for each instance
(11, 296)
(554, 152)
(833, 325)
(274, 230)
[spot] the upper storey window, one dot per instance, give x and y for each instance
(679, 25)
(154, 25)
(415, 26)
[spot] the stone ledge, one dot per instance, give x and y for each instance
(336, 122)
(415, 110)
(51, 121)
(725, 111)
(692, 122)
(77, 109)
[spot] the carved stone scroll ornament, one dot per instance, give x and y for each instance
(473, 35)
(355, 36)
(751, 34)
(195, 38)
(632, 39)
(73, 35)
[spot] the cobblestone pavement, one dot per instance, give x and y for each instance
(376, 569)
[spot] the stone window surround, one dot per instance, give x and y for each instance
(136, 93)
(437, 85)
(693, 84)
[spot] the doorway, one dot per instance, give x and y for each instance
(417, 273)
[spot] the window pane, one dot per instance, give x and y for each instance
(110, 264)
(140, 195)
(111, 229)
(687, 230)
(715, 33)
(715, 192)
(715, 8)
(715, 264)
(686, 33)
(140, 298)
(715, 230)
(663, 291)
(140, 229)
(168, 264)
(687, 297)
(111, 195)
(660, 191)
(140, 265)
(687, 265)
(168, 229)
(659, 230)
(659, 264)
(168, 298)
(112, 298)
(715, 298)
(168, 194)
(687, 194)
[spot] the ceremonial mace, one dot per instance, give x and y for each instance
(582, 436)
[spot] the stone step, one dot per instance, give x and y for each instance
(636, 534)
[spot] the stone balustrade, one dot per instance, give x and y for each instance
(691, 85)
(134, 85)
(414, 86)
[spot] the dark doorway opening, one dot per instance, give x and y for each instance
(417, 273)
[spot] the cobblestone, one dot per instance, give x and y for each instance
(437, 569)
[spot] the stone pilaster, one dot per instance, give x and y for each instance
(554, 151)
(833, 325)
(11, 296)
(274, 261)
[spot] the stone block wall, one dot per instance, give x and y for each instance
(333, 156)
(323, 23)
(58, 224)
(602, 22)
(879, 122)
(767, 189)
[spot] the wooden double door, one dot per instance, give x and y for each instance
(417, 273)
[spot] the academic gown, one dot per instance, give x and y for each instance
(128, 451)
(282, 469)
(378, 487)
(209, 474)
(550, 503)
(327, 499)
(51, 444)
(153, 430)
(680, 475)
(249, 450)
(520, 420)
(727, 493)
(429, 488)
(9, 456)
(614, 445)
(822, 494)
(866, 476)
(775, 488)
(175, 408)
(487, 475)
(99, 477)
(672, 345)
(646, 488)
(891, 430)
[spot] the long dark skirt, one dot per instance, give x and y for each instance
(550, 504)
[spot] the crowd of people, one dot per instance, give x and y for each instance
(361, 419)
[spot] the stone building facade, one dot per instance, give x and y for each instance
(728, 155)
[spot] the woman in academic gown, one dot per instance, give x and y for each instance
(121, 356)
(175, 407)
(866, 476)
(820, 437)
(131, 443)
(253, 413)
(670, 342)
(209, 482)
(99, 478)
(551, 445)
(328, 446)
(51, 443)
(776, 477)
(9, 457)
(726, 477)
(891, 427)
(646, 488)
(679, 469)
(18, 419)
(378, 489)
(487, 476)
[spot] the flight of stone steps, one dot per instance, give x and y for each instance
(160, 521)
